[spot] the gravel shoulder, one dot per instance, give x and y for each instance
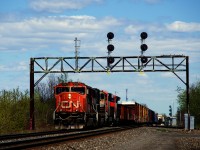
(137, 139)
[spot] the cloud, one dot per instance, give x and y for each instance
(163, 29)
(58, 32)
(180, 26)
(57, 6)
(171, 75)
(134, 28)
(165, 38)
(20, 66)
(46, 32)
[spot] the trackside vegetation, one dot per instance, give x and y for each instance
(194, 104)
(14, 111)
(15, 107)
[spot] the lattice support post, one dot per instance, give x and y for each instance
(32, 118)
(187, 91)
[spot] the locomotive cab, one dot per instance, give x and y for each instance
(77, 105)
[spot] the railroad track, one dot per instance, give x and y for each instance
(25, 135)
(22, 141)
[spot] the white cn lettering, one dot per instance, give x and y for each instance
(69, 104)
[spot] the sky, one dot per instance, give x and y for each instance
(44, 28)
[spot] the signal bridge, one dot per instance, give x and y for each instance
(171, 63)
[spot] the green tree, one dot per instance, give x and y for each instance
(181, 99)
(194, 105)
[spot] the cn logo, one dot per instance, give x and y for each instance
(69, 104)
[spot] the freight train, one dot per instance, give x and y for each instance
(79, 106)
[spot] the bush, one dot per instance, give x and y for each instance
(14, 106)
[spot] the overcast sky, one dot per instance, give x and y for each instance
(42, 28)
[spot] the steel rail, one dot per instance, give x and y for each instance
(25, 135)
(45, 140)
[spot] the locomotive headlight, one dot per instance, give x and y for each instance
(69, 96)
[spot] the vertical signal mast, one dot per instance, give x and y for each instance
(77, 46)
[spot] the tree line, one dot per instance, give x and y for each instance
(15, 106)
(194, 103)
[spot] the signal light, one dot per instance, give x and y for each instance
(111, 60)
(110, 47)
(143, 35)
(144, 59)
(170, 110)
(143, 47)
(110, 35)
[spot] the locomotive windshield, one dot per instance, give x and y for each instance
(102, 96)
(80, 90)
(62, 89)
(110, 97)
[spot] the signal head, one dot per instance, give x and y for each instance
(110, 35)
(144, 59)
(143, 35)
(110, 47)
(111, 60)
(143, 47)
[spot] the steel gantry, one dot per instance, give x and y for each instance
(163, 63)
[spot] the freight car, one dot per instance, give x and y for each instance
(79, 106)
(135, 113)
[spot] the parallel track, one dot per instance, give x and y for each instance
(39, 140)
(25, 135)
